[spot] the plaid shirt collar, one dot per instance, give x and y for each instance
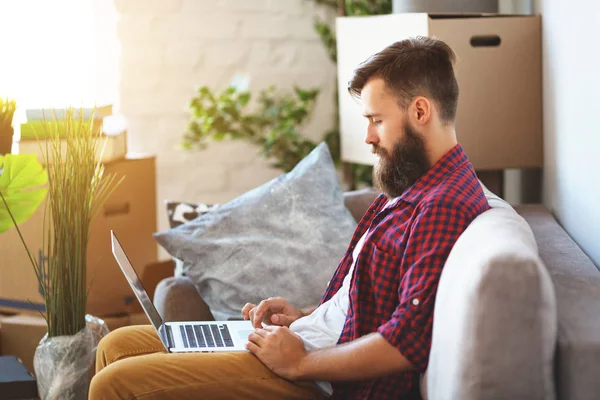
(449, 162)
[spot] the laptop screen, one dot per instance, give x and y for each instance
(135, 283)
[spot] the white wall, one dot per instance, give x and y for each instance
(170, 47)
(571, 113)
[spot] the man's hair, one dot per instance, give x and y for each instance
(419, 66)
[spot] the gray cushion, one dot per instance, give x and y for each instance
(577, 283)
(284, 238)
(177, 299)
(494, 328)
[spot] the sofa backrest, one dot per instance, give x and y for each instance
(494, 328)
(358, 201)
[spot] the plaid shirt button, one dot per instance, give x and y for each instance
(416, 302)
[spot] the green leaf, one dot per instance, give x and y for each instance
(22, 180)
(244, 98)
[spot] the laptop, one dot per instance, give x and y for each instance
(184, 337)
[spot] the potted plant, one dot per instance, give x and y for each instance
(77, 187)
(7, 111)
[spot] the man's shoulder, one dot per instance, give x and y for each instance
(459, 192)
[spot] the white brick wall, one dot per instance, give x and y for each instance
(170, 47)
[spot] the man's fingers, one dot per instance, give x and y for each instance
(261, 332)
(251, 317)
(260, 311)
(246, 310)
(256, 339)
(252, 347)
(256, 320)
(281, 320)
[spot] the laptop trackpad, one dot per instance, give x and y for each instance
(244, 334)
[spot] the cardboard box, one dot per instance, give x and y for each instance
(154, 273)
(130, 212)
(6, 140)
(499, 72)
(21, 335)
(138, 319)
(116, 321)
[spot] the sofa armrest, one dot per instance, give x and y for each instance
(577, 283)
(177, 299)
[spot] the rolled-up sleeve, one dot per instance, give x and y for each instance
(432, 235)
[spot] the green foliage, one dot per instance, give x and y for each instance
(368, 7)
(359, 7)
(327, 37)
(22, 190)
(273, 127)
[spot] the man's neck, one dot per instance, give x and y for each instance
(441, 143)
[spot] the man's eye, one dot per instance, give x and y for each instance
(376, 122)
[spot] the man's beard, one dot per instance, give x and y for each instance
(396, 172)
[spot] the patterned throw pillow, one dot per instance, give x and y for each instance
(179, 213)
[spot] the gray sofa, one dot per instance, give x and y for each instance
(517, 313)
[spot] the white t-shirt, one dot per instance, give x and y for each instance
(323, 327)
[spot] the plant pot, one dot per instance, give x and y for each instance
(61, 363)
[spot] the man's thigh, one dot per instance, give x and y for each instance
(195, 376)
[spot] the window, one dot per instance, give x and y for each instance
(58, 52)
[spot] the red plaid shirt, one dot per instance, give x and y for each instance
(398, 269)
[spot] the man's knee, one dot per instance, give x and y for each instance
(116, 344)
(104, 385)
(111, 343)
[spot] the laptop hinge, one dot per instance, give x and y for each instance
(167, 335)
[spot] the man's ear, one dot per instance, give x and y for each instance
(421, 110)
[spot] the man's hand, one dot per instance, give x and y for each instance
(273, 311)
(281, 350)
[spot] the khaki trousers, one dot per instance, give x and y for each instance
(131, 363)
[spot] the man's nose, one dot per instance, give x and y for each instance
(371, 136)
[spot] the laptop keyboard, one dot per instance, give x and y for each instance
(205, 335)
